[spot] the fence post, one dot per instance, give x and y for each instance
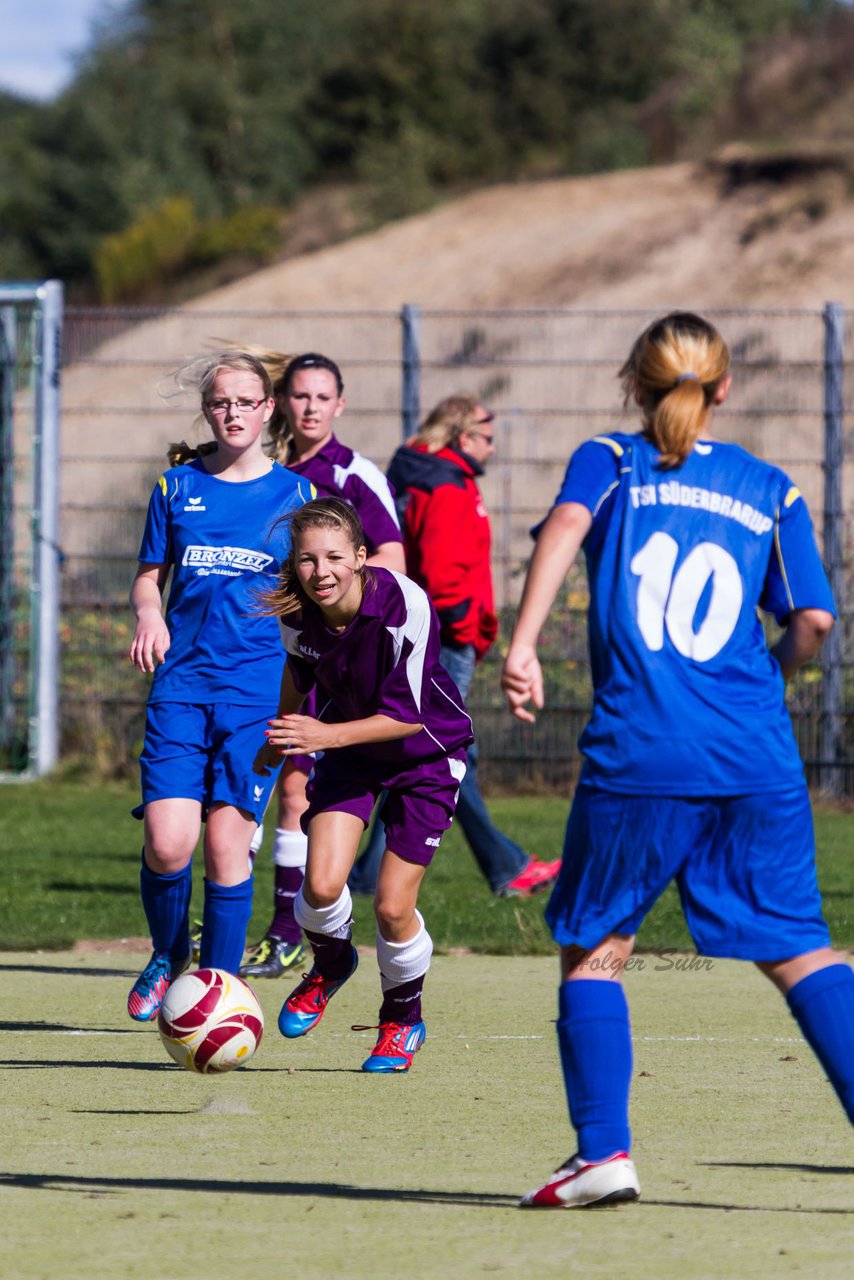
(410, 319)
(830, 724)
(8, 343)
(44, 748)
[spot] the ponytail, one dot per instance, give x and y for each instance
(673, 372)
(181, 452)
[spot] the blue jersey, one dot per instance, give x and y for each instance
(687, 698)
(219, 537)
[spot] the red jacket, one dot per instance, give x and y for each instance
(446, 538)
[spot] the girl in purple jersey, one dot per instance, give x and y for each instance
(309, 396)
(688, 773)
(389, 719)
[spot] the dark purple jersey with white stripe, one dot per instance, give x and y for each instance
(386, 662)
(336, 471)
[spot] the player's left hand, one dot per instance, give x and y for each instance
(267, 760)
(300, 735)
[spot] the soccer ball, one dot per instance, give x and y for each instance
(210, 1021)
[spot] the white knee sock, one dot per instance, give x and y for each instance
(289, 848)
(332, 922)
(400, 962)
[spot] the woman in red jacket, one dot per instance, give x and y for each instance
(446, 539)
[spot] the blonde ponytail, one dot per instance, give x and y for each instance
(673, 372)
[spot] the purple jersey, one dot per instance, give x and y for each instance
(386, 662)
(338, 472)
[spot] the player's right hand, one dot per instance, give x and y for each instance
(522, 682)
(151, 640)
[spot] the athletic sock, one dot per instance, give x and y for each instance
(254, 845)
(329, 930)
(166, 903)
(595, 1045)
(289, 854)
(403, 967)
(228, 908)
(823, 1004)
(403, 1002)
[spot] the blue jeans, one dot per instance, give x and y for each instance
(499, 858)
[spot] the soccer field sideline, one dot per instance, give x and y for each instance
(118, 1163)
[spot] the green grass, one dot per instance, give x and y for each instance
(118, 1164)
(70, 857)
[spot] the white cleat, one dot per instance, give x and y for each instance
(579, 1183)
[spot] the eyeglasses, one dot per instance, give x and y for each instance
(221, 407)
(483, 422)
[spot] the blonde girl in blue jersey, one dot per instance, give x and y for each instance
(691, 768)
(212, 527)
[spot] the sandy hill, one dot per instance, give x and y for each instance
(729, 233)
(739, 232)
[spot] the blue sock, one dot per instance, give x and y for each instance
(166, 903)
(225, 920)
(596, 1055)
(823, 1004)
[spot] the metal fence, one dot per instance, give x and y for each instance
(550, 377)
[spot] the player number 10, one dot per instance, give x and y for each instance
(670, 600)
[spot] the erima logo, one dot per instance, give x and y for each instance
(259, 791)
(195, 504)
(435, 841)
(236, 559)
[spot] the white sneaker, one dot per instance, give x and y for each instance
(581, 1182)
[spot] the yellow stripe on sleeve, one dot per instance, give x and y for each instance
(612, 444)
(792, 496)
(162, 483)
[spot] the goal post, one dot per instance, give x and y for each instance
(30, 368)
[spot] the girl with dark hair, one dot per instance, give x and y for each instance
(309, 400)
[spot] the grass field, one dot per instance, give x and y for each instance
(70, 857)
(119, 1164)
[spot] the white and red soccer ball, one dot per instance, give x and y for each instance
(210, 1021)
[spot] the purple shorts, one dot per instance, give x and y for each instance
(419, 805)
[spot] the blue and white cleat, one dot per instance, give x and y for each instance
(397, 1044)
(146, 994)
(306, 1004)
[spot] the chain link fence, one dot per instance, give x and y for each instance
(550, 377)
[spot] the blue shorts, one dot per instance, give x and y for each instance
(744, 867)
(205, 753)
(418, 808)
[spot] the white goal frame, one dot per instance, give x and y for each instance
(39, 370)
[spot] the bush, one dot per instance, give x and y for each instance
(252, 232)
(168, 240)
(156, 245)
